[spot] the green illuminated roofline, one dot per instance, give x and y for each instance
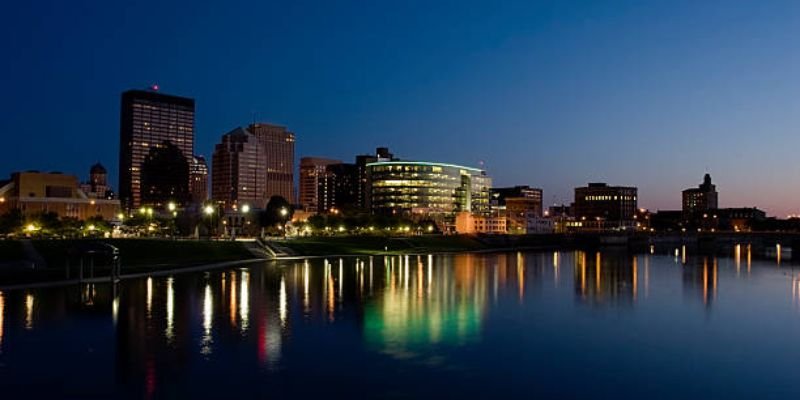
(433, 164)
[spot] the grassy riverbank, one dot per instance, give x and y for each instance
(137, 255)
(372, 245)
(375, 245)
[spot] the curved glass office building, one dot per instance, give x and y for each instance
(427, 189)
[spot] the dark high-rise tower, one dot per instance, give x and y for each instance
(148, 121)
(381, 154)
(198, 179)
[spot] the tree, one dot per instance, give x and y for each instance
(48, 221)
(317, 222)
(276, 214)
(165, 176)
(96, 225)
(11, 221)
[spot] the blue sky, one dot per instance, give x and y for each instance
(551, 94)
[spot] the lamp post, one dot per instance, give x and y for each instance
(172, 208)
(208, 210)
(283, 212)
(244, 210)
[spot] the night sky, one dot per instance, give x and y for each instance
(551, 94)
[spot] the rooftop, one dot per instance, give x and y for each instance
(426, 163)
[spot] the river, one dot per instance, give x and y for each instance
(573, 324)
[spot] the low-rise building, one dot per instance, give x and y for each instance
(703, 198)
(600, 207)
(34, 192)
(532, 197)
(469, 223)
(428, 190)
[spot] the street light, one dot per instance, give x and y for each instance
(245, 208)
(171, 206)
(208, 210)
(284, 211)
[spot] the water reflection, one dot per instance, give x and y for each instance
(609, 278)
(169, 331)
(244, 301)
(208, 316)
(701, 278)
(29, 311)
(2, 321)
(279, 319)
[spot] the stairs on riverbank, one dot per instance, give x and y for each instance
(268, 249)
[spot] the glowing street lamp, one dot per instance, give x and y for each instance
(284, 212)
(245, 208)
(208, 210)
(171, 206)
(31, 228)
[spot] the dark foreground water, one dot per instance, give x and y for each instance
(548, 325)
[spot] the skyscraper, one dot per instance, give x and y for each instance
(312, 170)
(337, 188)
(381, 154)
(278, 144)
(237, 167)
(198, 179)
(149, 121)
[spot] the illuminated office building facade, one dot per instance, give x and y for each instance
(149, 122)
(277, 143)
(599, 206)
(312, 171)
(427, 189)
(237, 170)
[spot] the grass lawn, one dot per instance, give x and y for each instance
(370, 245)
(11, 250)
(137, 255)
(151, 252)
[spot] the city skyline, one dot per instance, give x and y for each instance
(701, 93)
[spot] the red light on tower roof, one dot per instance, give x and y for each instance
(154, 87)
